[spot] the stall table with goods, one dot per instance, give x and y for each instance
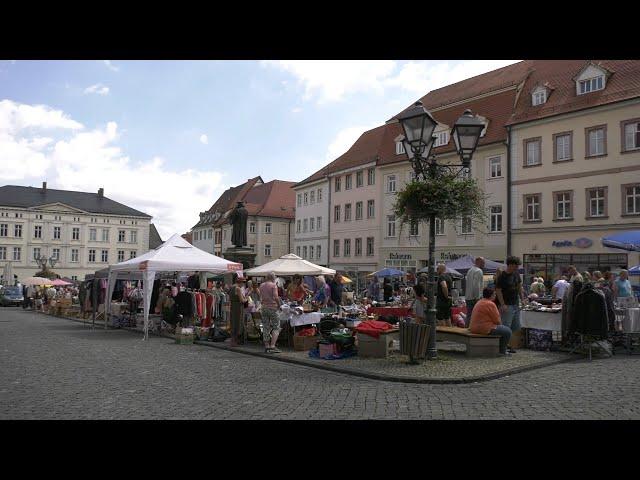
(628, 321)
(542, 325)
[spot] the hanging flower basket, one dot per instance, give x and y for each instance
(447, 197)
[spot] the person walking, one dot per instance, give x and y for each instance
(373, 291)
(623, 285)
(486, 320)
(270, 304)
(336, 290)
(473, 288)
(509, 292)
(238, 301)
(443, 297)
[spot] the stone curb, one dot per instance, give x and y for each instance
(389, 378)
(351, 371)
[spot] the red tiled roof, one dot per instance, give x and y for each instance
(227, 200)
(364, 150)
(273, 199)
(622, 84)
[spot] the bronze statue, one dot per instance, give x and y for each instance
(238, 218)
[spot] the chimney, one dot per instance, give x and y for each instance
(100, 192)
(44, 187)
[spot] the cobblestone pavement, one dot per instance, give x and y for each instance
(57, 369)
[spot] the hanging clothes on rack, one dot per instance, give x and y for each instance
(589, 315)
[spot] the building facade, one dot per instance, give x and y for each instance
(311, 236)
(83, 232)
(575, 166)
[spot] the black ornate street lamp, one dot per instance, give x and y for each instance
(418, 126)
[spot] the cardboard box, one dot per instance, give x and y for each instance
(304, 343)
(185, 339)
(376, 347)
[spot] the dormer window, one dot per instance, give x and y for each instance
(442, 138)
(399, 148)
(591, 85)
(538, 98)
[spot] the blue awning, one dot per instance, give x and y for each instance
(629, 241)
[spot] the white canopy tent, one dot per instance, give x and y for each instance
(290, 264)
(174, 255)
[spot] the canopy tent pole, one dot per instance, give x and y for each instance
(149, 277)
(111, 285)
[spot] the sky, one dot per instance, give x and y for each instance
(168, 137)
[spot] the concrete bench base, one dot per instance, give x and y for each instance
(477, 345)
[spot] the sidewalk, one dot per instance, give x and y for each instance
(452, 365)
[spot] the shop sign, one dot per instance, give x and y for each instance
(400, 256)
(579, 243)
(234, 267)
(450, 256)
(584, 242)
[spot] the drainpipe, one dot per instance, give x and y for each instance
(328, 222)
(509, 206)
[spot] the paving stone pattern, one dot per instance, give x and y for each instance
(53, 368)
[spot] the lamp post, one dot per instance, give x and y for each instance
(418, 126)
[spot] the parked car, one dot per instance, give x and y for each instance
(11, 296)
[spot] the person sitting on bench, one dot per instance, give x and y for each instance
(485, 320)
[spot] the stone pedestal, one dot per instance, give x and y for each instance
(243, 255)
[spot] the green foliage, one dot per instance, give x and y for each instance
(447, 197)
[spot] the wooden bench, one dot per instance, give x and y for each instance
(477, 345)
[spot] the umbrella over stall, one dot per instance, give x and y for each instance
(629, 241)
(288, 265)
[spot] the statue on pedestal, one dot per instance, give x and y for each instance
(238, 219)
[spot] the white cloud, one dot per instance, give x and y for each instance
(88, 160)
(344, 139)
(296, 110)
(97, 88)
(111, 66)
(331, 81)
(204, 139)
(15, 117)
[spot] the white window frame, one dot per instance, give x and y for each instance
(267, 250)
(371, 246)
(306, 198)
(311, 252)
(57, 232)
(563, 204)
(298, 226)
(599, 141)
(495, 218)
(312, 197)
(391, 184)
(357, 250)
(298, 251)
(120, 256)
(92, 255)
(414, 229)
(635, 195)
(133, 236)
(391, 226)
(591, 85)
(104, 256)
(3, 253)
(537, 151)
(337, 184)
(318, 251)
(312, 224)
(37, 231)
(305, 225)
(539, 97)
(442, 138)
(75, 233)
(267, 228)
(105, 234)
(598, 200)
(399, 148)
(346, 248)
(36, 253)
(319, 195)
(632, 136)
(336, 213)
(532, 205)
(347, 212)
(359, 179)
(133, 254)
(466, 226)
(440, 226)
(252, 227)
(371, 209)
(17, 230)
(299, 199)
(17, 254)
(4, 230)
(371, 176)
(304, 252)
(348, 182)
(75, 255)
(359, 206)
(566, 148)
(319, 224)
(495, 167)
(336, 248)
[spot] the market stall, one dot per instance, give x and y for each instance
(174, 255)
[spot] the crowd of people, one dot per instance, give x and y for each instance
(38, 297)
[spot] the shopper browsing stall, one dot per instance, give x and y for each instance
(270, 305)
(238, 301)
(560, 287)
(509, 292)
(323, 293)
(623, 285)
(474, 282)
